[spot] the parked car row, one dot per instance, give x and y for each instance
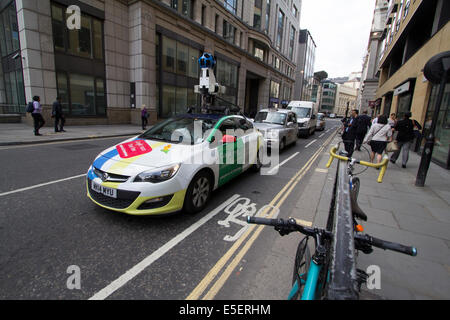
(285, 126)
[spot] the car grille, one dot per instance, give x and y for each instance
(124, 198)
(111, 177)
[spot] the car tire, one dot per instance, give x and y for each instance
(198, 192)
(282, 144)
(257, 166)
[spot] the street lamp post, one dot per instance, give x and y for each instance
(437, 70)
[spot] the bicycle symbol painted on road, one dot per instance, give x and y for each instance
(241, 208)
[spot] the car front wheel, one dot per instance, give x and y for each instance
(198, 192)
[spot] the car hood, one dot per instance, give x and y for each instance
(267, 126)
(135, 155)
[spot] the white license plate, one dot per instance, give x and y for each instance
(109, 192)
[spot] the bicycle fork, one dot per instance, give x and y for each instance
(313, 274)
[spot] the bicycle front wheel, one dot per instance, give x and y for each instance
(301, 267)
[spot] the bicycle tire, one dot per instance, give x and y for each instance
(301, 266)
(356, 184)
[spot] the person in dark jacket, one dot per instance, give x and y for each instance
(349, 132)
(405, 137)
(364, 123)
(57, 113)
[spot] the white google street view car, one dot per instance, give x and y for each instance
(175, 165)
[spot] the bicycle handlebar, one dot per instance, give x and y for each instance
(290, 225)
(382, 164)
(382, 244)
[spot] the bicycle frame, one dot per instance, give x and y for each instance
(309, 292)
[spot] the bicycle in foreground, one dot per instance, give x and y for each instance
(312, 274)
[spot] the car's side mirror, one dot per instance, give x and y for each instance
(313, 117)
(228, 139)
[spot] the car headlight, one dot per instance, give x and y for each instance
(158, 174)
(272, 134)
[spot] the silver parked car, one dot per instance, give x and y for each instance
(279, 127)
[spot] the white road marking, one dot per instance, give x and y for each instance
(284, 162)
(134, 271)
(309, 144)
(41, 185)
(321, 135)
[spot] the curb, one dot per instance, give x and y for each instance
(67, 139)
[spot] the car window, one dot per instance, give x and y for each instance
(228, 124)
(301, 112)
(177, 130)
(271, 117)
(244, 124)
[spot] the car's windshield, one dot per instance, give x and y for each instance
(320, 117)
(301, 112)
(180, 130)
(271, 117)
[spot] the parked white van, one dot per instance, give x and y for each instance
(306, 116)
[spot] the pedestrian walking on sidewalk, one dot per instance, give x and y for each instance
(392, 120)
(405, 137)
(364, 124)
(378, 136)
(38, 119)
(349, 132)
(144, 116)
(57, 114)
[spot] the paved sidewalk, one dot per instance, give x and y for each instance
(399, 211)
(20, 133)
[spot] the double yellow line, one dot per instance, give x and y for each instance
(273, 207)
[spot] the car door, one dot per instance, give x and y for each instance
(228, 150)
(250, 140)
(291, 128)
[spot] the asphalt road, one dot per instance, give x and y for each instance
(48, 224)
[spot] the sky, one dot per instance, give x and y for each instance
(340, 29)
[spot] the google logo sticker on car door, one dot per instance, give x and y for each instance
(133, 149)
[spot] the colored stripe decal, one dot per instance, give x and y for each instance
(100, 161)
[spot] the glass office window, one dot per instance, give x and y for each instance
(168, 101)
(169, 54)
(20, 88)
(257, 14)
(58, 27)
(14, 28)
(267, 16)
(82, 95)
(291, 42)
(258, 51)
(280, 28)
(63, 91)
(274, 89)
(86, 42)
(182, 59)
(441, 151)
(231, 5)
(181, 100)
(194, 54)
(100, 99)
(7, 29)
(97, 39)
